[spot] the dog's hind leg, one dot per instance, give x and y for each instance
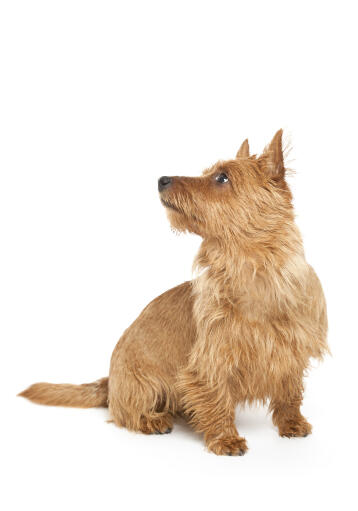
(141, 402)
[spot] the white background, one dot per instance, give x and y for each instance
(99, 99)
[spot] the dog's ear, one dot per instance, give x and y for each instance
(271, 160)
(244, 151)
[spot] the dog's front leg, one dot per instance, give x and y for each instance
(285, 406)
(210, 408)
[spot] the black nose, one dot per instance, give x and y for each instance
(164, 182)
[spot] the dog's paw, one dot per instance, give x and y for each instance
(158, 432)
(229, 446)
(159, 425)
(295, 428)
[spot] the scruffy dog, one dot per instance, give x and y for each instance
(243, 331)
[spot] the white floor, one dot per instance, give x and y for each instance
(72, 459)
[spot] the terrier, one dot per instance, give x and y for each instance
(242, 331)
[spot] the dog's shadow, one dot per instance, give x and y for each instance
(253, 418)
(248, 419)
(184, 429)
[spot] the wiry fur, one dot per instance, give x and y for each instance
(244, 330)
(87, 395)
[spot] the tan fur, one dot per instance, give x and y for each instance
(244, 330)
(87, 395)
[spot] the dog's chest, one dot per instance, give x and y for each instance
(262, 358)
(259, 350)
(259, 334)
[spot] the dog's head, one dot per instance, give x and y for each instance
(244, 197)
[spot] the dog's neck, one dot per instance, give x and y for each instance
(263, 250)
(253, 270)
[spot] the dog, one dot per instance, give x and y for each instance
(242, 331)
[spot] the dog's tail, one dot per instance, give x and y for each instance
(87, 395)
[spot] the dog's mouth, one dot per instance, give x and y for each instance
(169, 205)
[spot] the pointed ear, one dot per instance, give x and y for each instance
(272, 158)
(244, 151)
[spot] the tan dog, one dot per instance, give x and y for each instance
(244, 330)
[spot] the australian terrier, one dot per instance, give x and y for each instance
(244, 330)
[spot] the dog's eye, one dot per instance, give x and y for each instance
(222, 178)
